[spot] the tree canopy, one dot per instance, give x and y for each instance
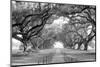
(34, 21)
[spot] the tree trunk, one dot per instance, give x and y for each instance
(87, 41)
(79, 44)
(25, 46)
(86, 45)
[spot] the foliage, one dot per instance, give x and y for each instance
(33, 20)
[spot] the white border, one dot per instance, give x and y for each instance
(86, 2)
(5, 33)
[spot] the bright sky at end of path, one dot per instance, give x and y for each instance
(58, 44)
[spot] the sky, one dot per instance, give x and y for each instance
(58, 23)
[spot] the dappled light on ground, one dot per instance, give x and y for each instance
(54, 56)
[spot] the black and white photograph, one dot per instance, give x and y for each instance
(44, 33)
